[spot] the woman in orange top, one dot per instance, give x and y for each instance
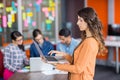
(82, 63)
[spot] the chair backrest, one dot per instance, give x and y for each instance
(1, 64)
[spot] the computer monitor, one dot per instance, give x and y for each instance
(113, 32)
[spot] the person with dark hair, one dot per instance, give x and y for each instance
(67, 43)
(14, 55)
(82, 63)
(44, 46)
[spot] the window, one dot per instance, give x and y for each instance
(34, 14)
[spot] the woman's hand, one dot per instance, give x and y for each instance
(53, 52)
(43, 59)
(57, 53)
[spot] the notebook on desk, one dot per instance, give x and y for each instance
(36, 64)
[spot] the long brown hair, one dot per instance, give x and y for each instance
(94, 24)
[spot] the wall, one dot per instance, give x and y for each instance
(117, 11)
(72, 6)
(101, 8)
(117, 15)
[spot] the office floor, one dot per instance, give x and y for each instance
(106, 73)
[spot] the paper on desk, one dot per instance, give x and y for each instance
(51, 72)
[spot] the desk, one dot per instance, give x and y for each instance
(115, 44)
(111, 43)
(38, 76)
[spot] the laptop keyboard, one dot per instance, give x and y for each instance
(50, 58)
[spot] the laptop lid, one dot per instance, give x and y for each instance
(46, 58)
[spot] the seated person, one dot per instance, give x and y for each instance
(14, 55)
(1, 64)
(44, 46)
(67, 44)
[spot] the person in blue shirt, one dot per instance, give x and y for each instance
(67, 44)
(44, 46)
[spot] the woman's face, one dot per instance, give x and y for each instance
(19, 40)
(39, 39)
(81, 24)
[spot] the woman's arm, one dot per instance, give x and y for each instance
(83, 59)
(59, 53)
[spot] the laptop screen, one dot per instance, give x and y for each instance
(46, 58)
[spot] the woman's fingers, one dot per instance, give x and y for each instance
(55, 52)
(51, 52)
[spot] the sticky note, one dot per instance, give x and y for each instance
(39, 2)
(30, 14)
(48, 21)
(13, 17)
(13, 4)
(4, 21)
(9, 18)
(51, 4)
(44, 9)
(22, 7)
(9, 24)
(46, 14)
(29, 19)
(1, 29)
(26, 23)
(51, 18)
(33, 23)
(30, 4)
(7, 9)
(53, 8)
(37, 8)
(28, 10)
(15, 10)
(10, 8)
(48, 27)
(24, 15)
(16, 4)
(53, 13)
(12, 12)
(49, 9)
(1, 5)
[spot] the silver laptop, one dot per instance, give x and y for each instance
(56, 59)
(48, 59)
(36, 64)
